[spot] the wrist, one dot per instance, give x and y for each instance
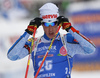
(30, 32)
(66, 26)
(67, 29)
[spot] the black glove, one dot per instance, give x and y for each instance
(62, 19)
(36, 21)
(65, 23)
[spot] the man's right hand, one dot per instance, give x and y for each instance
(35, 22)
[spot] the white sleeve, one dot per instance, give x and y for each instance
(17, 51)
(84, 45)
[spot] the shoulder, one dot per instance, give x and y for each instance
(71, 39)
(30, 40)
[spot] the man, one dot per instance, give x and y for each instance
(59, 61)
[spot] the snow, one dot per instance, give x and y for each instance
(16, 69)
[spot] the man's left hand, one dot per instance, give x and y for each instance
(65, 23)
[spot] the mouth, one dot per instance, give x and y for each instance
(51, 33)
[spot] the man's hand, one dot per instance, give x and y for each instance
(64, 22)
(32, 24)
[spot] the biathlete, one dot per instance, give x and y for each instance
(59, 61)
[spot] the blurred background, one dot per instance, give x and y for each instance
(15, 15)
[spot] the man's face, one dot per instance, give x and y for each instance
(50, 30)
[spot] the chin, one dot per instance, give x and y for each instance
(51, 37)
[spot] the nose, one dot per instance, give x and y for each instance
(50, 28)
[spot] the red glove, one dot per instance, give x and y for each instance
(66, 25)
(30, 29)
